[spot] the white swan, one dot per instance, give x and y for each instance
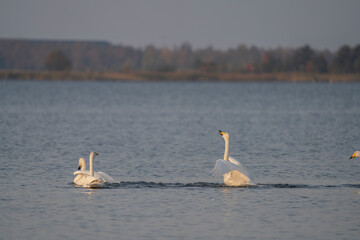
(80, 178)
(91, 178)
(232, 171)
(101, 175)
(355, 154)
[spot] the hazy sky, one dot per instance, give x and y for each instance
(221, 23)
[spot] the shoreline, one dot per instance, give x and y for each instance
(179, 76)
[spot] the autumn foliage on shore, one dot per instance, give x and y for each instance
(97, 56)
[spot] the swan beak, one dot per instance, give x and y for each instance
(96, 154)
(351, 157)
(79, 167)
(221, 132)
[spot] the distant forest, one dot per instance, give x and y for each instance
(88, 56)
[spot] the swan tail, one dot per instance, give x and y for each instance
(96, 184)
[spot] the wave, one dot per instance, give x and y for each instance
(142, 184)
(165, 185)
(287, 185)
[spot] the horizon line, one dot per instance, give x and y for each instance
(165, 46)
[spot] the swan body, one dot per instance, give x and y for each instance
(101, 175)
(90, 178)
(86, 180)
(236, 179)
(232, 171)
(355, 154)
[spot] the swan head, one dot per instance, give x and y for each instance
(355, 154)
(82, 164)
(225, 135)
(93, 155)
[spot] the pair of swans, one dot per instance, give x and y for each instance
(90, 178)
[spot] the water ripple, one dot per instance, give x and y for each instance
(165, 185)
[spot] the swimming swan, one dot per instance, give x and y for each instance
(101, 175)
(232, 171)
(82, 166)
(90, 178)
(355, 154)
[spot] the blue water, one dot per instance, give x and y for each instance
(160, 142)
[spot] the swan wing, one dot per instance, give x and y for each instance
(82, 172)
(105, 177)
(240, 166)
(79, 179)
(222, 167)
(234, 161)
(219, 168)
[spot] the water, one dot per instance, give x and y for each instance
(160, 142)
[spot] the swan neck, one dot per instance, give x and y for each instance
(91, 170)
(83, 164)
(226, 153)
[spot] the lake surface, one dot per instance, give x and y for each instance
(160, 142)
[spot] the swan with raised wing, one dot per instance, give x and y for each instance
(230, 169)
(90, 178)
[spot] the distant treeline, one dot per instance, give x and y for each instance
(87, 56)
